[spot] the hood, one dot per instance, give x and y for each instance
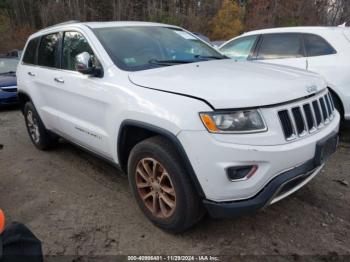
(227, 84)
(8, 80)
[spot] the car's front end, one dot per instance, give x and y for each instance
(8, 81)
(243, 172)
(269, 131)
(8, 92)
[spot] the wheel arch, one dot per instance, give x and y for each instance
(132, 132)
(335, 94)
(23, 99)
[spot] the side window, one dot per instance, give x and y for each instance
(48, 50)
(278, 46)
(239, 49)
(317, 46)
(73, 44)
(30, 53)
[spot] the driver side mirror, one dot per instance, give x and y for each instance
(88, 65)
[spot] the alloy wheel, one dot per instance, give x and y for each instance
(33, 127)
(155, 188)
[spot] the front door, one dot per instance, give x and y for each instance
(83, 99)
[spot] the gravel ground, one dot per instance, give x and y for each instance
(80, 205)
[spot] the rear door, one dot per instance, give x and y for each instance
(46, 85)
(282, 48)
(36, 71)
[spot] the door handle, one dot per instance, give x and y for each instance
(31, 74)
(59, 80)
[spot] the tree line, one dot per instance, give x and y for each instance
(218, 19)
(273, 13)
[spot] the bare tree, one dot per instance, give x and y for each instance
(26, 16)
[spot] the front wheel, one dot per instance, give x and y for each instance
(38, 134)
(162, 187)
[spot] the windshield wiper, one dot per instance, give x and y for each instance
(204, 57)
(169, 62)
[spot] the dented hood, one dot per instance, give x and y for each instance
(229, 84)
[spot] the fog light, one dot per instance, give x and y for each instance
(239, 173)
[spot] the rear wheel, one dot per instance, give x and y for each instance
(40, 137)
(161, 186)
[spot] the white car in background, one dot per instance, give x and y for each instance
(324, 50)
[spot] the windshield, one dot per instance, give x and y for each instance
(141, 48)
(8, 65)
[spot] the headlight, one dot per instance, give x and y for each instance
(243, 121)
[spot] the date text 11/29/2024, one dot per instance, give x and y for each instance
(174, 258)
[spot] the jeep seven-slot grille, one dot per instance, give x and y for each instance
(323, 107)
(305, 118)
(317, 110)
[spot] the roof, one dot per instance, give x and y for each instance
(101, 25)
(123, 23)
(308, 29)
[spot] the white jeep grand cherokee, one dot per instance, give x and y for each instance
(194, 131)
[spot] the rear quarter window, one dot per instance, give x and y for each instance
(29, 56)
(317, 46)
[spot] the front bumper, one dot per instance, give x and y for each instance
(279, 188)
(8, 98)
(211, 157)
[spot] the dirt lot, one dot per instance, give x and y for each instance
(80, 205)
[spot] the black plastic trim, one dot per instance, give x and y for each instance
(319, 158)
(237, 208)
(20, 92)
(253, 56)
(172, 138)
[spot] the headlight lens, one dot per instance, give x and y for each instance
(244, 121)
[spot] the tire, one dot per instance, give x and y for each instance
(38, 134)
(178, 206)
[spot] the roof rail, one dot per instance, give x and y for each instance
(65, 23)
